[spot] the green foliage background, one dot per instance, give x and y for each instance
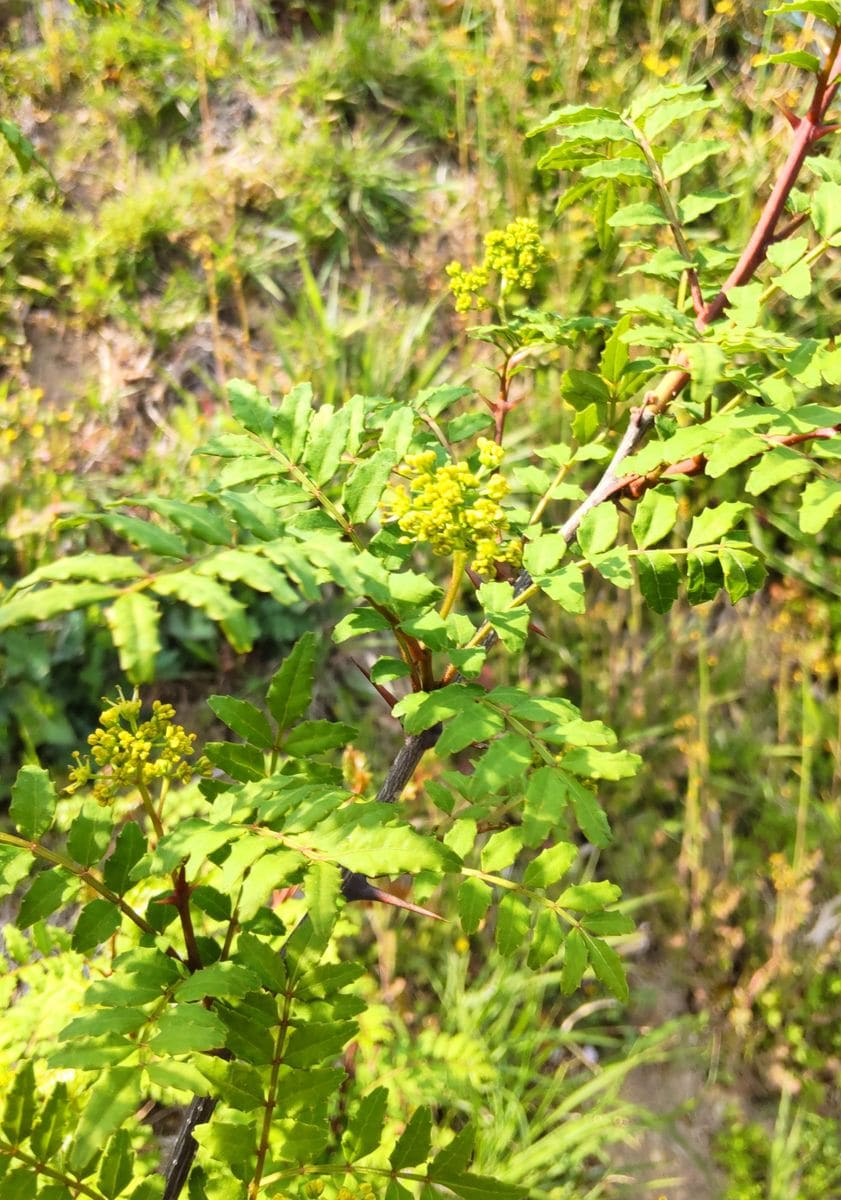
(240, 192)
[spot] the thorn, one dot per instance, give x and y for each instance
(538, 629)
(386, 695)
(282, 895)
(395, 901)
(823, 131)
(357, 887)
(792, 118)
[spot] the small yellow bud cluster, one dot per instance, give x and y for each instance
(515, 253)
(364, 1191)
(128, 753)
(467, 286)
(455, 509)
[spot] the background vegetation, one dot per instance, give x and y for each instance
(272, 192)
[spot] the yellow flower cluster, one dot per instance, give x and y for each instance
(515, 253)
(130, 753)
(455, 509)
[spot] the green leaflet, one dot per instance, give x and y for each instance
(474, 899)
(414, 1143)
(714, 523)
(365, 1128)
(697, 204)
(501, 849)
(33, 802)
(112, 1099)
(212, 598)
(239, 566)
(635, 215)
(328, 436)
(43, 603)
(220, 980)
(550, 865)
(242, 762)
(142, 534)
(614, 566)
(290, 690)
(797, 58)
(322, 889)
(196, 520)
(316, 737)
(589, 897)
(49, 1129)
(826, 10)
(99, 568)
(19, 1109)
(743, 572)
(575, 961)
(546, 940)
(513, 920)
(133, 619)
(511, 624)
(821, 500)
(96, 923)
(291, 421)
(654, 517)
(659, 579)
(544, 553)
(49, 890)
(251, 409)
(244, 718)
(607, 966)
(371, 839)
(366, 484)
(566, 587)
(776, 466)
(187, 1027)
(826, 211)
(598, 530)
(116, 1169)
(685, 156)
(130, 848)
(731, 450)
(704, 577)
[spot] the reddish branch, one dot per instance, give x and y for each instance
(633, 486)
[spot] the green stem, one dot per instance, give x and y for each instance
(232, 928)
(150, 810)
(459, 565)
(72, 1185)
(271, 1100)
(87, 875)
(671, 213)
(540, 507)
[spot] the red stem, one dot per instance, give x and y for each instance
(809, 130)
